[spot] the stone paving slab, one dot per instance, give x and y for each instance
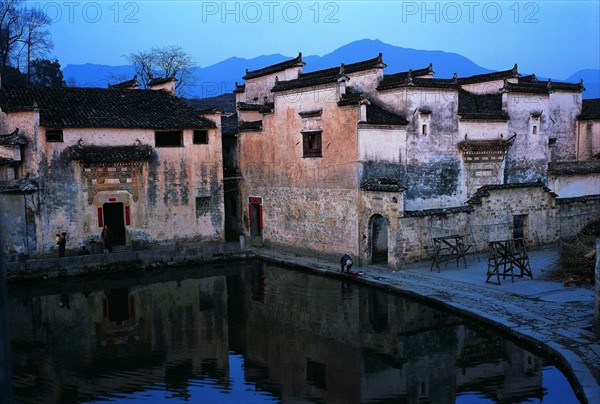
(555, 318)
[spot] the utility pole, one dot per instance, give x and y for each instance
(6, 393)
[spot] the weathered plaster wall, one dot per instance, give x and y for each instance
(527, 159)
(259, 89)
(389, 205)
(588, 139)
(432, 172)
(308, 202)
(308, 220)
(167, 186)
(564, 109)
(569, 186)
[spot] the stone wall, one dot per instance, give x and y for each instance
(597, 300)
(576, 213)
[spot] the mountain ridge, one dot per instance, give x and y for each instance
(219, 78)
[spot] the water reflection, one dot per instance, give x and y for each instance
(256, 333)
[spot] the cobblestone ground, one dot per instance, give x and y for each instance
(555, 318)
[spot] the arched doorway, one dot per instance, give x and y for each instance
(379, 240)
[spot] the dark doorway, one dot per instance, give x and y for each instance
(255, 220)
(380, 240)
(114, 219)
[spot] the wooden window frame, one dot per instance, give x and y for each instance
(315, 150)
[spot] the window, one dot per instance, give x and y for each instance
(424, 129)
(312, 144)
(168, 138)
(54, 135)
(200, 137)
(202, 205)
(534, 129)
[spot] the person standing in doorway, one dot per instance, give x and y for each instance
(106, 238)
(62, 244)
(346, 263)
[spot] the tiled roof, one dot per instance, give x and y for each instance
(250, 126)
(5, 161)
(13, 139)
(279, 67)
(71, 107)
(586, 198)
(306, 82)
(239, 88)
(350, 98)
(475, 146)
(129, 84)
(438, 211)
(161, 80)
(110, 154)
(377, 115)
(484, 191)
(25, 184)
(262, 108)
(541, 87)
(590, 109)
(382, 185)
(501, 75)
(330, 75)
(574, 167)
(394, 81)
(229, 125)
(376, 62)
(480, 106)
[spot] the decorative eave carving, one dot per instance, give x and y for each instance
(481, 151)
(13, 139)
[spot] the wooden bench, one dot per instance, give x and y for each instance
(448, 248)
(505, 256)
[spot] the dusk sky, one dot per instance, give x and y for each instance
(550, 38)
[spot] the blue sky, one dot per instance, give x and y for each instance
(551, 38)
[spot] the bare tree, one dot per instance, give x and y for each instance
(11, 28)
(169, 61)
(36, 38)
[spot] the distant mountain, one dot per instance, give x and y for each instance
(220, 78)
(591, 82)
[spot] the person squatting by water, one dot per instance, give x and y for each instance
(346, 263)
(62, 244)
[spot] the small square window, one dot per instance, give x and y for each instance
(200, 137)
(312, 144)
(203, 204)
(54, 135)
(168, 138)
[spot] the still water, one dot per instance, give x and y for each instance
(257, 333)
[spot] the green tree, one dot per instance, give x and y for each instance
(47, 73)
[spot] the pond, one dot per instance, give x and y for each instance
(250, 332)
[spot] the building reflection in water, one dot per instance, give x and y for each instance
(299, 337)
